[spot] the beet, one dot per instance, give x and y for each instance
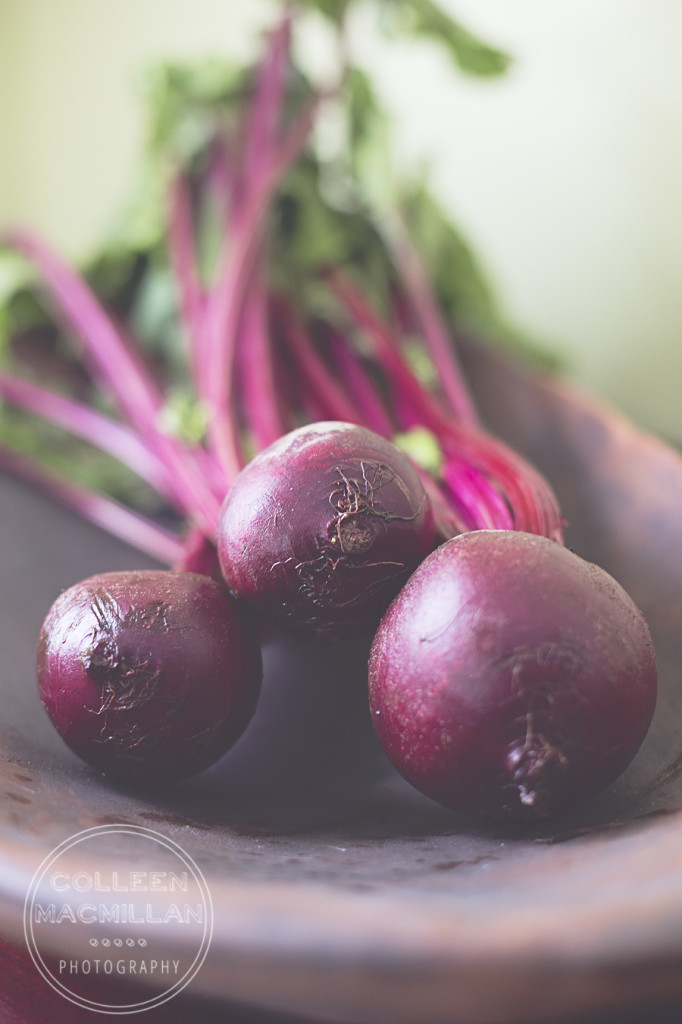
(510, 678)
(323, 527)
(148, 676)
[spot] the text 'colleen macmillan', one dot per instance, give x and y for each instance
(118, 913)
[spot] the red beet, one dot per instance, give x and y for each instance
(149, 676)
(323, 527)
(510, 678)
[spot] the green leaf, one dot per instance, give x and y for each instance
(423, 448)
(334, 10)
(362, 105)
(184, 417)
(454, 270)
(420, 362)
(15, 274)
(184, 103)
(425, 18)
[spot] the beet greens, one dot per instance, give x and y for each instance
(274, 336)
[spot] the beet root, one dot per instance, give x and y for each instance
(510, 679)
(323, 528)
(148, 676)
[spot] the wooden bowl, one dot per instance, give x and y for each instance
(339, 893)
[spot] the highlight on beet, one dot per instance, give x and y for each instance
(323, 528)
(511, 679)
(148, 676)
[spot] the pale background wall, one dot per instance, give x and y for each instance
(566, 174)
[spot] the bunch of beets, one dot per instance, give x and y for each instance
(507, 677)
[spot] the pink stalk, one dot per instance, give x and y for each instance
(480, 502)
(261, 404)
(287, 385)
(533, 503)
(122, 522)
(269, 94)
(181, 245)
(182, 250)
(114, 359)
(404, 411)
(199, 555)
(313, 409)
(267, 157)
(357, 383)
(225, 298)
(423, 405)
(212, 471)
(314, 372)
(529, 494)
(220, 177)
(114, 438)
(255, 182)
(121, 370)
(448, 520)
(221, 324)
(435, 332)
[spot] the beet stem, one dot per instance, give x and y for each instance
(261, 403)
(226, 297)
(269, 94)
(182, 252)
(117, 364)
(357, 383)
(93, 426)
(435, 333)
(414, 395)
(334, 402)
(532, 503)
(134, 529)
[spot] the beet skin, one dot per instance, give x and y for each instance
(510, 678)
(149, 676)
(323, 528)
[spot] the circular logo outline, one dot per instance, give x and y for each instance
(160, 997)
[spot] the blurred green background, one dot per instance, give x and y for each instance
(565, 173)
